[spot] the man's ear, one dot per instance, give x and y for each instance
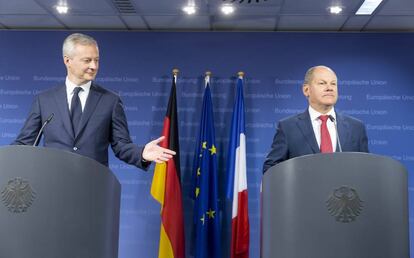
(305, 89)
(66, 60)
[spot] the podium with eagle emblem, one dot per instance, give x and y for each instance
(338, 205)
(55, 203)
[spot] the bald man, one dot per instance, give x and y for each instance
(313, 131)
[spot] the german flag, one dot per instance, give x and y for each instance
(166, 186)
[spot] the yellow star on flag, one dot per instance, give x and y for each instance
(204, 145)
(210, 214)
(197, 191)
(213, 150)
(203, 219)
(198, 172)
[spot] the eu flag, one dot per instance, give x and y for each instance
(205, 189)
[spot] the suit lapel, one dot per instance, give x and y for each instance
(61, 99)
(343, 131)
(91, 102)
(305, 125)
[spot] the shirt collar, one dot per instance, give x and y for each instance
(70, 86)
(314, 115)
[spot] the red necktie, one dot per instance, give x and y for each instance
(326, 143)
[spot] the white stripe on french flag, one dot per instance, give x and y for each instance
(240, 180)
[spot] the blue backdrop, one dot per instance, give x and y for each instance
(375, 83)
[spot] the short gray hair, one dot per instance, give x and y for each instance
(76, 39)
(310, 72)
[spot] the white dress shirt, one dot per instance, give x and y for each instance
(316, 124)
(83, 95)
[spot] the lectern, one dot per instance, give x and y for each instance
(342, 205)
(56, 204)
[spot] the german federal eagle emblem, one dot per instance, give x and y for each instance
(18, 195)
(344, 204)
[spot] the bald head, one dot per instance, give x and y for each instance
(311, 71)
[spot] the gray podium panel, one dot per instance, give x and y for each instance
(56, 204)
(339, 205)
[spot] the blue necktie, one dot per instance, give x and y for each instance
(75, 109)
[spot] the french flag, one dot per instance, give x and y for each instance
(237, 181)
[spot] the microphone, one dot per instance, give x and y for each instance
(36, 142)
(337, 133)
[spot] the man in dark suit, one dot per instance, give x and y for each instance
(87, 118)
(313, 131)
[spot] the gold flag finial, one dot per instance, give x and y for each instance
(207, 78)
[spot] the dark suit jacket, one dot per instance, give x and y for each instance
(295, 137)
(103, 123)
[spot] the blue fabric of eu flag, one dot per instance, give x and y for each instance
(205, 187)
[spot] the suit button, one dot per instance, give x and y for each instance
(75, 148)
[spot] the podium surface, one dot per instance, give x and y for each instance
(342, 205)
(56, 204)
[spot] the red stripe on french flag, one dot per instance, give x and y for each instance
(240, 229)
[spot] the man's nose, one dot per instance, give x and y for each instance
(93, 65)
